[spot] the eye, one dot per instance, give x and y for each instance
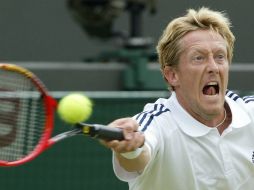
(198, 58)
(220, 57)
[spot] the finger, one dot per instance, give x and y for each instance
(123, 122)
(109, 144)
(128, 132)
(131, 145)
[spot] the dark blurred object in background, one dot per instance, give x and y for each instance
(96, 17)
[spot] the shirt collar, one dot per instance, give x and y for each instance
(194, 128)
(240, 117)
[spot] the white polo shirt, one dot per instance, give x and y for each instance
(187, 155)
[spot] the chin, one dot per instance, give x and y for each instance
(213, 110)
(213, 105)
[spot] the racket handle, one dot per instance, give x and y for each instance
(102, 131)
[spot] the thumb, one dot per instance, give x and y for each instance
(128, 133)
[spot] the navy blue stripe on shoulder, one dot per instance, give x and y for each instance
(232, 95)
(145, 118)
(143, 115)
(248, 99)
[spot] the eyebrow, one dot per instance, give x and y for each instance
(204, 50)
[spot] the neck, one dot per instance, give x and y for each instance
(224, 119)
(227, 121)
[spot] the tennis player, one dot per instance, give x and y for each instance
(202, 136)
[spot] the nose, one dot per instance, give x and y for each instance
(212, 66)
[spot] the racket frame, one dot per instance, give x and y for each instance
(50, 105)
(46, 141)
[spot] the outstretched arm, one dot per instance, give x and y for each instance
(128, 152)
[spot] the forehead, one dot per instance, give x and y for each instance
(205, 39)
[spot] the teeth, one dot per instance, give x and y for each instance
(212, 83)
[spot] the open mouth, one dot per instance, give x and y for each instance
(211, 89)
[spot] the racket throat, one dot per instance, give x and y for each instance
(64, 135)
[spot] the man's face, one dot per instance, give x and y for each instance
(200, 80)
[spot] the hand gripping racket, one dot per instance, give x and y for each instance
(27, 117)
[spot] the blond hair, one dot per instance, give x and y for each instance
(169, 48)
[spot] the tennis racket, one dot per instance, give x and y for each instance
(27, 117)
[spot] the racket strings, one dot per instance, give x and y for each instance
(22, 115)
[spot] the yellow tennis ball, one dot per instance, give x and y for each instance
(74, 108)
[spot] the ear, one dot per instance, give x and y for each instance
(171, 76)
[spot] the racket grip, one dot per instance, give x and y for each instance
(103, 132)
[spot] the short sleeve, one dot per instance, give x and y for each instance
(249, 102)
(149, 124)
